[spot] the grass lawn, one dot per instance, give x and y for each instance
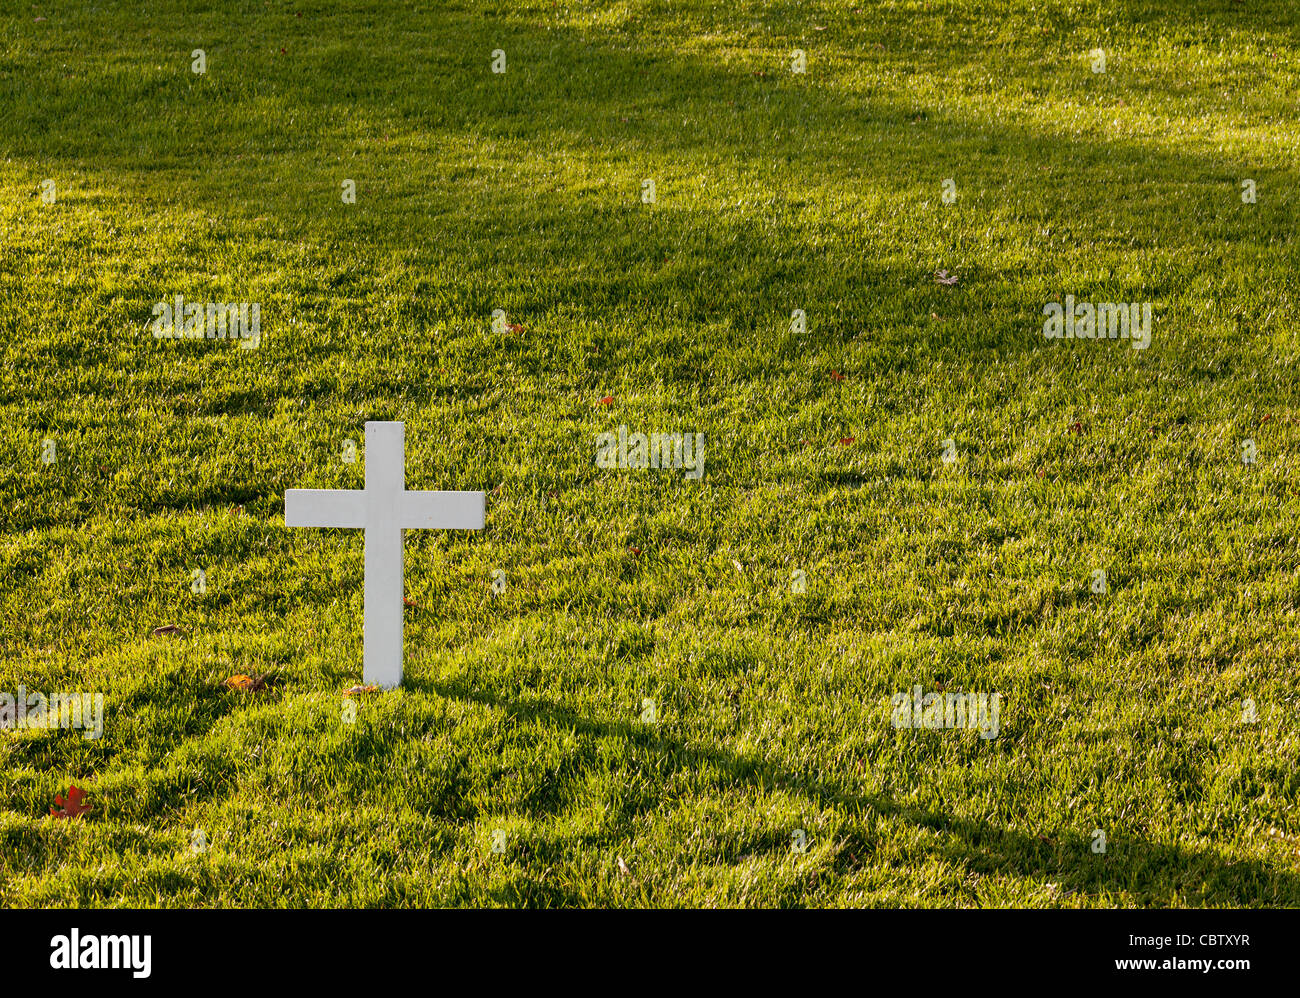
(617, 685)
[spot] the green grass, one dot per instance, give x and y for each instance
(775, 191)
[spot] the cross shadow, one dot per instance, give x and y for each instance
(980, 847)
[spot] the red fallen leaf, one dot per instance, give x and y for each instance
(1267, 417)
(72, 807)
(282, 51)
(1076, 427)
(515, 327)
(355, 690)
(836, 376)
(845, 441)
(607, 400)
(410, 602)
(166, 629)
(634, 551)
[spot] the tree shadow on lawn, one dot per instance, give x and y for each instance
(1153, 870)
(831, 137)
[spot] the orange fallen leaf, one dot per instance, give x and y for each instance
(836, 376)
(515, 327)
(72, 806)
(607, 400)
(845, 441)
(355, 690)
(410, 602)
(249, 684)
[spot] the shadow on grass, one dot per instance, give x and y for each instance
(1153, 870)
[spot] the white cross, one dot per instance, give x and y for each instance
(383, 510)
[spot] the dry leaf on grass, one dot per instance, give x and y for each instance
(249, 684)
(72, 806)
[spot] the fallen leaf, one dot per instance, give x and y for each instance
(357, 690)
(943, 277)
(515, 327)
(845, 441)
(166, 629)
(634, 551)
(72, 807)
(623, 868)
(607, 400)
(836, 376)
(249, 684)
(407, 601)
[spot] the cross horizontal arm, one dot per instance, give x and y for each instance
(324, 508)
(442, 510)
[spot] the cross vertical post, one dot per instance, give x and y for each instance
(385, 483)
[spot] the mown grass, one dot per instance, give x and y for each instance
(775, 191)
